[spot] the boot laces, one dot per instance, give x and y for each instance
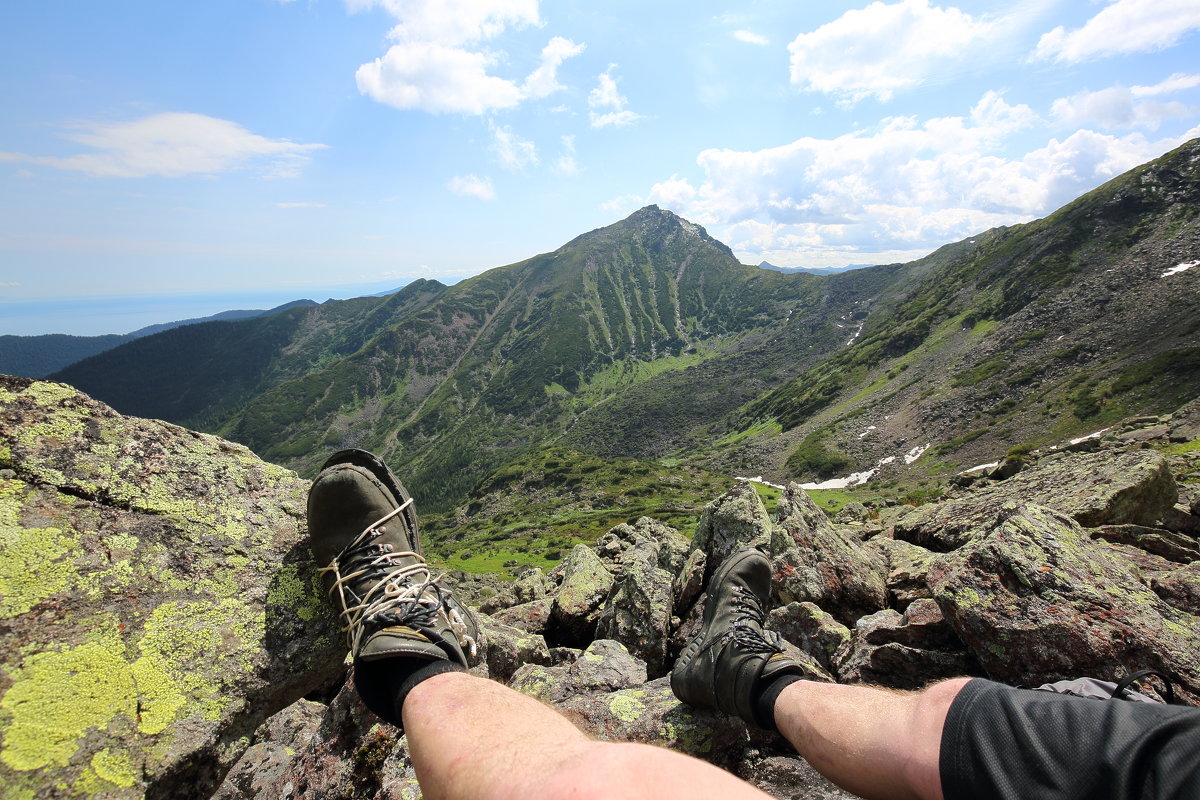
(747, 632)
(396, 593)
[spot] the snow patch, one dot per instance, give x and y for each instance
(980, 468)
(915, 453)
(867, 432)
(859, 478)
(1178, 268)
(1095, 435)
(758, 479)
(861, 325)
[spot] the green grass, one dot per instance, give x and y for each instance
(768, 427)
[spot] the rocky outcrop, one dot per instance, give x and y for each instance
(815, 562)
(1035, 600)
(160, 579)
(1133, 487)
(157, 596)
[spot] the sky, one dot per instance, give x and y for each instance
(162, 160)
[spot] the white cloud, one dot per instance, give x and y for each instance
(750, 37)
(1124, 26)
(301, 205)
(565, 164)
(513, 152)
(543, 81)
(438, 63)
(9, 284)
(897, 190)
(606, 104)
(432, 77)
(453, 21)
(472, 186)
(173, 145)
(881, 49)
(1122, 107)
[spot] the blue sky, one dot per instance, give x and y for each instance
(185, 158)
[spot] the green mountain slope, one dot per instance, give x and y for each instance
(1031, 334)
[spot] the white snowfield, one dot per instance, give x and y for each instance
(859, 478)
(980, 468)
(1178, 268)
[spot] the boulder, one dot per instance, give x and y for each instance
(1180, 588)
(577, 605)
(811, 629)
(813, 561)
(532, 617)
(617, 547)
(904, 651)
(1168, 544)
(789, 776)
(1103, 488)
(506, 648)
(651, 714)
(604, 667)
(260, 770)
(352, 754)
(158, 598)
(689, 582)
(1036, 600)
(638, 614)
(907, 564)
(732, 521)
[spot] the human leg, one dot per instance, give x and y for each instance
(874, 742)
(411, 641)
(472, 739)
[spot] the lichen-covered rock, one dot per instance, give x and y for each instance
(811, 629)
(789, 777)
(1035, 600)
(1180, 588)
(604, 667)
(814, 562)
(1177, 547)
(158, 599)
(257, 773)
(580, 599)
(627, 543)
(506, 648)
(532, 584)
(352, 754)
(638, 614)
(532, 617)
(903, 651)
(650, 713)
(1102, 488)
(907, 564)
(689, 581)
(734, 520)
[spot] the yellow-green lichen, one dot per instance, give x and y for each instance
(626, 708)
(159, 697)
(35, 564)
(58, 697)
(292, 592)
(114, 767)
(183, 640)
(5, 454)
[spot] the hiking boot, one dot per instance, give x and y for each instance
(364, 535)
(729, 663)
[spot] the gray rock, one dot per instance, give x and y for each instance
(1103, 488)
(506, 648)
(158, 578)
(689, 582)
(814, 562)
(531, 617)
(604, 667)
(638, 614)
(788, 777)
(1168, 544)
(812, 630)
(1180, 588)
(732, 521)
(577, 605)
(1036, 600)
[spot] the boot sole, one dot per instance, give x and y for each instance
(382, 473)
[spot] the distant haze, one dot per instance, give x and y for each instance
(97, 315)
